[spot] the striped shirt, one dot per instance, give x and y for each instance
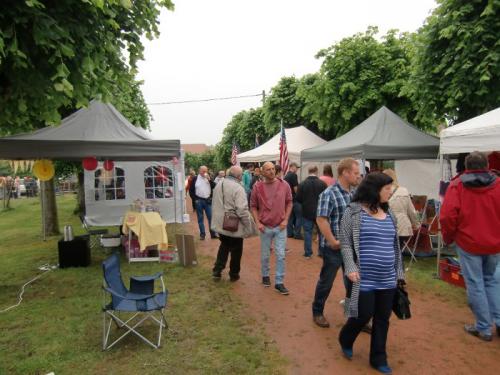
(332, 204)
(376, 253)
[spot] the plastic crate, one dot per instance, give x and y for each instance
(450, 272)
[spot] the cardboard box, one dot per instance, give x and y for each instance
(186, 249)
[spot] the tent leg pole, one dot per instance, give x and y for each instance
(175, 176)
(42, 195)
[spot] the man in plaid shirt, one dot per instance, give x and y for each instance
(331, 206)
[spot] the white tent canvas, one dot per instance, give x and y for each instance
(297, 139)
(420, 177)
(481, 133)
(108, 195)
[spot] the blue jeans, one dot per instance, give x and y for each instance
(294, 225)
(308, 232)
(332, 261)
(483, 288)
(279, 237)
(203, 205)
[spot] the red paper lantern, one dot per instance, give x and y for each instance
(108, 165)
(89, 163)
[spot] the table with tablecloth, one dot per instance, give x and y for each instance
(149, 228)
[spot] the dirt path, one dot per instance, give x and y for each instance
(432, 342)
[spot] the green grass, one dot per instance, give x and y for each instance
(58, 326)
(422, 277)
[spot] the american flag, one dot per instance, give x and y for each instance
(283, 151)
(234, 155)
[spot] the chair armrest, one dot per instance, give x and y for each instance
(137, 297)
(147, 277)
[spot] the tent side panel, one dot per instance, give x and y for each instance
(111, 212)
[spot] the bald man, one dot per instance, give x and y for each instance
(201, 189)
(271, 204)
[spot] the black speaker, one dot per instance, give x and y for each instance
(74, 253)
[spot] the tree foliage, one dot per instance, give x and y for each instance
(358, 75)
(59, 55)
(207, 158)
(448, 70)
(457, 65)
(242, 129)
(285, 105)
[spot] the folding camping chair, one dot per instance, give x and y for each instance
(420, 204)
(428, 230)
(94, 234)
(140, 301)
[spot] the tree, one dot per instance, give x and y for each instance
(284, 104)
(457, 62)
(242, 129)
(359, 75)
(207, 158)
(57, 56)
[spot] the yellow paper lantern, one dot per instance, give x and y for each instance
(43, 169)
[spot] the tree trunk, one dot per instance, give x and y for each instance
(9, 187)
(48, 197)
(80, 206)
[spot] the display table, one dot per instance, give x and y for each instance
(150, 230)
(74, 253)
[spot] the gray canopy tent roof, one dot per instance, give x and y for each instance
(99, 130)
(382, 136)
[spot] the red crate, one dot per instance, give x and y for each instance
(451, 273)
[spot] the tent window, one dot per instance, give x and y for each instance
(109, 185)
(158, 182)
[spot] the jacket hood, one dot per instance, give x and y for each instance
(475, 179)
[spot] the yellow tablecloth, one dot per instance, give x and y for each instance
(148, 227)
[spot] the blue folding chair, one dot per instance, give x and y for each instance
(140, 301)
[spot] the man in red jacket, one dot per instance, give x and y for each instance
(470, 217)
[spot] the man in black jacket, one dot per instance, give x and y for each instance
(307, 194)
(294, 226)
(201, 189)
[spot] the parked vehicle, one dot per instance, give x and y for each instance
(22, 187)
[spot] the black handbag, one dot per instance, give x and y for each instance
(231, 220)
(401, 304)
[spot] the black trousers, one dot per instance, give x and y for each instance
(376, 304)
(228, 245)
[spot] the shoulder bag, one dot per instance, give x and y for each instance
(231, 220)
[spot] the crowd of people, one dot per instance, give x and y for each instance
(363, 222)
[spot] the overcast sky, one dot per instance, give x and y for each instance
(222, 48)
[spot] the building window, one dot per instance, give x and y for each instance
(109, 185)
(158, 182)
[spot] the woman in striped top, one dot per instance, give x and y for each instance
(372, 260)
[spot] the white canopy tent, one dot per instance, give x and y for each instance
(297, 139)
(481, 133)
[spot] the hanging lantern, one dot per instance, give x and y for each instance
(43, 169)
(108, 165)
(89, 163)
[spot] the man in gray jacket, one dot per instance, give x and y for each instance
(229, 196)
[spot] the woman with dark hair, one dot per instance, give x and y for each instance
(373, 265)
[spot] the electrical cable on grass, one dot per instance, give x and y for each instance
(46, 268)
